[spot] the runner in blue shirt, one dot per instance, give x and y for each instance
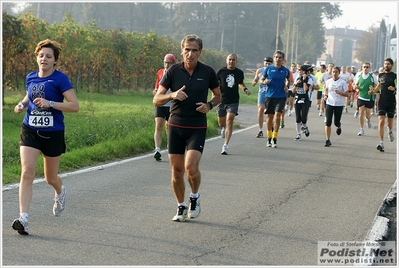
(277, 78)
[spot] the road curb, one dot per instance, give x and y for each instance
(379, 229)
(380, 226)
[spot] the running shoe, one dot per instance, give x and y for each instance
(339, 130)
(59, 204)
(274, 145)
(223, 133)
(282, 124)
(225, 149)
(380, 147)
(361, 132)
(307, 133)
(289, 112)
(356, 114)
(351, 104)
(195, 208)
(269, 142)
(391, 136)
(346, 109)
(368, 123)
(181, 214)
(157, 156)
(320, 114)
(260, 134)
(21, 226)
(328, 143)
(298, 137)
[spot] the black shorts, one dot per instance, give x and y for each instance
(319, 95)
(290, 94)
(386, 109)
(367, 104)
(50, 143)
(163, 112)
(180, 139)
(274, 105)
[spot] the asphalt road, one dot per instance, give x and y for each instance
(260, 206)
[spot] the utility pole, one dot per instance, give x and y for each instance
(293, 40)
(235, 30)
(288, 29)
(278, 24)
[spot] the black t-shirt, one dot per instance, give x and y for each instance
(229, 81)
(183, 113)
(387, 80)
(300, 91)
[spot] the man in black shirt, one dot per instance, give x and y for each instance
(189, 82)
(230, 80)
(387, 102)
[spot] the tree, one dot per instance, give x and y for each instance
(247, 29)
(368, 46)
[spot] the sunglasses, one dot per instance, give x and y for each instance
(366, 66)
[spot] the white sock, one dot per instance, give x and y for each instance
(298, 128)
(194, 195)
(24, 215)
(182, 204)
(157, 149)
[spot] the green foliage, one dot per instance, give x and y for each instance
(247, 28)
(103, 61)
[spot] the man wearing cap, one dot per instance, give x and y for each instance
(161, 112)
(261, 94)
(277, 78)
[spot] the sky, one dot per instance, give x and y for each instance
(362, 15)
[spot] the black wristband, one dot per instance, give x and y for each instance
(210, 104)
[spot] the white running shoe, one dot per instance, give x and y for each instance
(225, 149)
(269, 142)
(391, 136)
(21, 225)
(380, 147)
(223, 133)
(368, 123)
(59, 204)
(274, 145)
(157, 156)
(361, 132)
(194, 208)
(181, 214)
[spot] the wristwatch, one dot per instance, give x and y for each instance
(51, 103)
(211, 104)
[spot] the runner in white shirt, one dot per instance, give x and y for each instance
(335, 93)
